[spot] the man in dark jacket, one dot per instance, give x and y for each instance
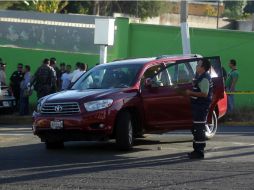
(15, 80)
(44, 79)
(201, 98)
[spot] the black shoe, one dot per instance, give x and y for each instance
(196, 155)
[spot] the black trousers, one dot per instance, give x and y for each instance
(199, 113)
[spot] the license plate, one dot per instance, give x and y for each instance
(6, 104)
(56, 124)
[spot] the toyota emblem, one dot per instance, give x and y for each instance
(58, 108)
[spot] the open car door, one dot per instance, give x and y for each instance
(216, 75)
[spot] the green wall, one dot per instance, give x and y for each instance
(152, 40)
(142, 40)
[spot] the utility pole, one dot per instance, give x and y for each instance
(218, 13)
(184, 27)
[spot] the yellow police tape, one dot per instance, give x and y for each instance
(241, 92)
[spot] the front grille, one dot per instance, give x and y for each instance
(60, 108)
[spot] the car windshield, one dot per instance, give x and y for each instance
(108, 76)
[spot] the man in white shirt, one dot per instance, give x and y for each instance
(66, 78)
(75, 71)
(77, 74)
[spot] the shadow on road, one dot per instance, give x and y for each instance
(34, 162)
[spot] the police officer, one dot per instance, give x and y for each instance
(201, 97)
(44, 79)
(15, 80)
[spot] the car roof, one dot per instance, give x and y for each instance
(143, 61)
(134, 61)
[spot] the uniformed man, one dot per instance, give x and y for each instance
(201, 97)
(15, 80)
(44, 79)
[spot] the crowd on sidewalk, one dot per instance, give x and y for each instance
(47, 79)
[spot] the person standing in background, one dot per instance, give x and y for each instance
(75, 71)
(66, 78)
(230, 85)
(57, 73)
(15, 80)
(82, 69)
(62, 68)
(2, 74)
(24, 92)
(62, 71)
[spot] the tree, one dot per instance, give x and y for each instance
(141, 9)
(53, 6)
(5, 4)
(234, 9)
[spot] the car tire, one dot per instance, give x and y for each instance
(54, 145)
(211, 128)
(124, 131)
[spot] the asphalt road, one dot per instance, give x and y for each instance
(156, 162)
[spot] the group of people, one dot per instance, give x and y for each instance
(47, 79)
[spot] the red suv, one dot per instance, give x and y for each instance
(125, 99)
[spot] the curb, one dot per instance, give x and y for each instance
(237, 123)
(28, 120)
(16, 119)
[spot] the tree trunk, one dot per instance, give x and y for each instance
(96, 9)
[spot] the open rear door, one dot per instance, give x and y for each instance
(218, 82)
(217, 77)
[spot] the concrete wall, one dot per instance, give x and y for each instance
(60, 32)
(193, 21)
(245, 25)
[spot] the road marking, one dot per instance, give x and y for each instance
(15, 134)
(14, 129)
(239, 143)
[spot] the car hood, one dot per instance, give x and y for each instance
(76, 95)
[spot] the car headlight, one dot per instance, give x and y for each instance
(38, 108)
(98, 105)
(39, 105)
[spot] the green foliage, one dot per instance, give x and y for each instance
(5, 4)
(53, 6)
(144, 9)
(141, 9)
(234, 9)
(210, 11)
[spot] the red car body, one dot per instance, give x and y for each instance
(153, 104)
